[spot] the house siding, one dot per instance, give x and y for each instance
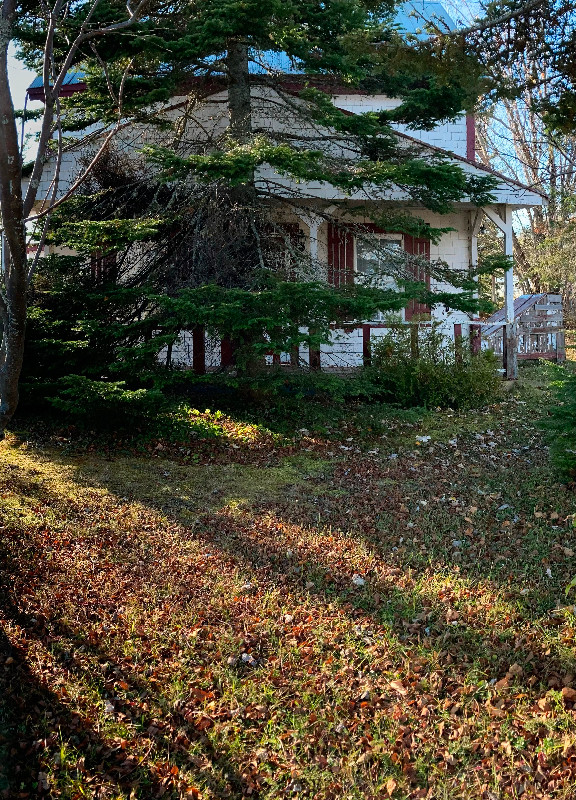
(449, 136)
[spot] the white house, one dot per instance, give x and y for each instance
(326, 220)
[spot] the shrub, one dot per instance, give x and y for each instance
(560, 423)
(427, 371)
(106, 404)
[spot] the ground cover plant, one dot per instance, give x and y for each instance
(358, 612)
(559, 421)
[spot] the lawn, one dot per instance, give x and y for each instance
(374, 610)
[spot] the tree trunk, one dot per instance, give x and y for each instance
(14, 262)
(239, 99)
(14, 328)
(240, 113)
(243, 197)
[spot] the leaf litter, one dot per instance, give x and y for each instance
(360, 627)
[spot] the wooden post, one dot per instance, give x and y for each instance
(458, 342)
(366, 352)
(226, 353)
(560, 346)
(510, 332)
(510, 351)
(475, 339)
(314, 356)
(198, 350)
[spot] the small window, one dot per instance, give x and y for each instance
(371, 254)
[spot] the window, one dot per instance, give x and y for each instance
(372, 255)
(285, 246)
(371, 252)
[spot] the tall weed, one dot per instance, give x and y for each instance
(429, 370)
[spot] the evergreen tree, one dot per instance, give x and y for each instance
(183, 193)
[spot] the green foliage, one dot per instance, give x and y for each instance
(106, 404)
(494, 263)
(436, 182)
(430, 371)
(104, 235)
(560, 422)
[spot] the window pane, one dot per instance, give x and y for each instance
(371, 257)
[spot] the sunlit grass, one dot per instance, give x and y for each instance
(305, 627)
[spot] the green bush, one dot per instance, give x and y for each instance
(427, 371)
(106, 404)
(560, 423)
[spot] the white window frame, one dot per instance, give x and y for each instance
(392, 237)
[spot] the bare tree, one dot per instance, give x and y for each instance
(512, 136)
(17, 209)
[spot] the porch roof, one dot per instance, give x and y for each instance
(538, 196)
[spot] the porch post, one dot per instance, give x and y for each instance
(510, 343)
(314, 223)
(475, 224)
(474, 331)
(509, 334)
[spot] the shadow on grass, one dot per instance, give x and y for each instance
(414, 615)
(42, 737)
(392, 600)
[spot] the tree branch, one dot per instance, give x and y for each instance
(50, 93)
(485, 24)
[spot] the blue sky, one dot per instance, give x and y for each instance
(21, 78)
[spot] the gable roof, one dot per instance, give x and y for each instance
(473, 163)
(411, 18)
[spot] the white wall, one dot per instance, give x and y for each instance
(448, 136)
(209, 119)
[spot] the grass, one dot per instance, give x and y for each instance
(350, 611)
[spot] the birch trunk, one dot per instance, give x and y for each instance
(14, 261)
